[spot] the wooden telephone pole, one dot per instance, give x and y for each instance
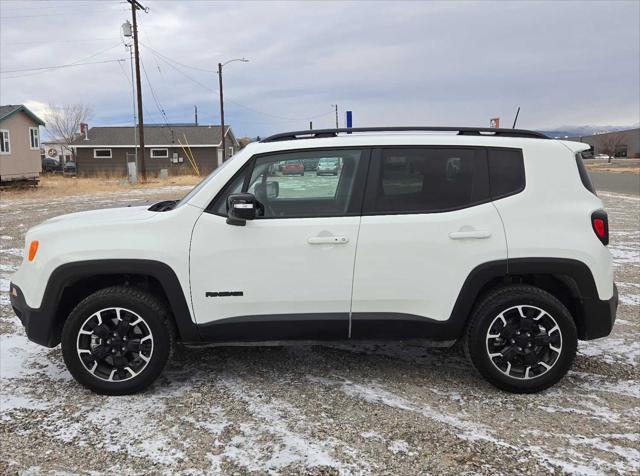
(135, 5)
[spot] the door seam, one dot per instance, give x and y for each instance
(353, 274)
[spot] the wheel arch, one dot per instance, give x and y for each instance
(568, 280)
(72, 282)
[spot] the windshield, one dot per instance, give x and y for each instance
(203, 183)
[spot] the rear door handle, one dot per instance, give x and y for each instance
(328, 240)
(470, 235)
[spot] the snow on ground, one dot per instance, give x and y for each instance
(345, 409)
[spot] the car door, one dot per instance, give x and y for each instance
(288, 273)
(427, 223)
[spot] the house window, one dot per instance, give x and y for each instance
(159, 153)
(34, 138)
(101, 153)
(5, 143)
(230, 151)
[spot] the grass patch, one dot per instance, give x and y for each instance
(56, 185)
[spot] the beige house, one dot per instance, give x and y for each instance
(19, 144)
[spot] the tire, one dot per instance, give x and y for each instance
(525, 336)
(129, 362)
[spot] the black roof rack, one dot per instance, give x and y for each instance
(461, 131)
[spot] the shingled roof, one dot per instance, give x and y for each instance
(154, 135)
(6, 111)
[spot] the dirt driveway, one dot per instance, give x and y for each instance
(389, 409)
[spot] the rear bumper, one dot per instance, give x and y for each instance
(599, 316)
(38, 323)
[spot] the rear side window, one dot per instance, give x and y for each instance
(506, 172)
(584, 175)
(426, 180)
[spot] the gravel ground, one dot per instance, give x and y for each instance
(333, 409)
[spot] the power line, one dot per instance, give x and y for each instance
(170, 62)
(177, 62)
(153, 94)
(61, 66)
(47, 42)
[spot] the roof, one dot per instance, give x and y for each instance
(10, 110)
(154, 135)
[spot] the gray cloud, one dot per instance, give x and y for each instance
(390, 62)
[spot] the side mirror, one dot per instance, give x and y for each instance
(240, 208)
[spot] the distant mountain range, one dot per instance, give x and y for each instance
(579, 131)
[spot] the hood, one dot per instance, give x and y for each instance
(99, 217)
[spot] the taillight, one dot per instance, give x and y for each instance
(600, 224)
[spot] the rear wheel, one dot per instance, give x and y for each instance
(117, 341)
(521, 339)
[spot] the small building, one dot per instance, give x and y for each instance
(616, 144)
(174, 147)
(19, 144)
(56, 149)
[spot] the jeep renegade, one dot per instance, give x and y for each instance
(494, 237)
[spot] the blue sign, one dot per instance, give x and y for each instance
(349, 120)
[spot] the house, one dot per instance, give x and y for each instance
(56, 149)
(19, 144)
(108, 150)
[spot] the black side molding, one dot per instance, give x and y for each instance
(44, 329)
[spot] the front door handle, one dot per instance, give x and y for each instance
(470, 235)
(328, 240)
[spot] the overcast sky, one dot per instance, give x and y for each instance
(392, 63)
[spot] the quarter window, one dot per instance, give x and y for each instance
(101, 153)
(506, 171)
(34, 138)
(425, 180)
(5, 142)
(159, 153)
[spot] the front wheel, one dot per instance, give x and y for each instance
(521, 339)
(117, 341)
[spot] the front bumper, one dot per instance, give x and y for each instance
(599, 316)
(39, 324)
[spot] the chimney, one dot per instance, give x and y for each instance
(84, 130)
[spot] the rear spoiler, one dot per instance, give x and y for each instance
(575, 147)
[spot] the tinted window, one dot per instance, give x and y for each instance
(506, 172)
(430, 180)
(301, 184)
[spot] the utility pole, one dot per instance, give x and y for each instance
(310, 125)
(135, 5)
(336, 106)
(221, 111)
(196, 112)
(220, 65)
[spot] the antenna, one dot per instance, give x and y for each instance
(516, 119)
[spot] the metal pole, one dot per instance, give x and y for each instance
(134, 6)
(337, 126)
(221, 111)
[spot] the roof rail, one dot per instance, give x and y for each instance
(461, 131)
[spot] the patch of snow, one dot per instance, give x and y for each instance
(399, 446)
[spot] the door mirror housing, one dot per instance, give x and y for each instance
(241, 207)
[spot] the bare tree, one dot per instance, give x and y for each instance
(609, 143)
(63, 122)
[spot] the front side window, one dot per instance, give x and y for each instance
(159, 153)
(102, 153)
(34, 138)
(5, 143)
(289, 187)
(427, 180)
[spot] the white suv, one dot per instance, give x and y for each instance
(491, 236)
